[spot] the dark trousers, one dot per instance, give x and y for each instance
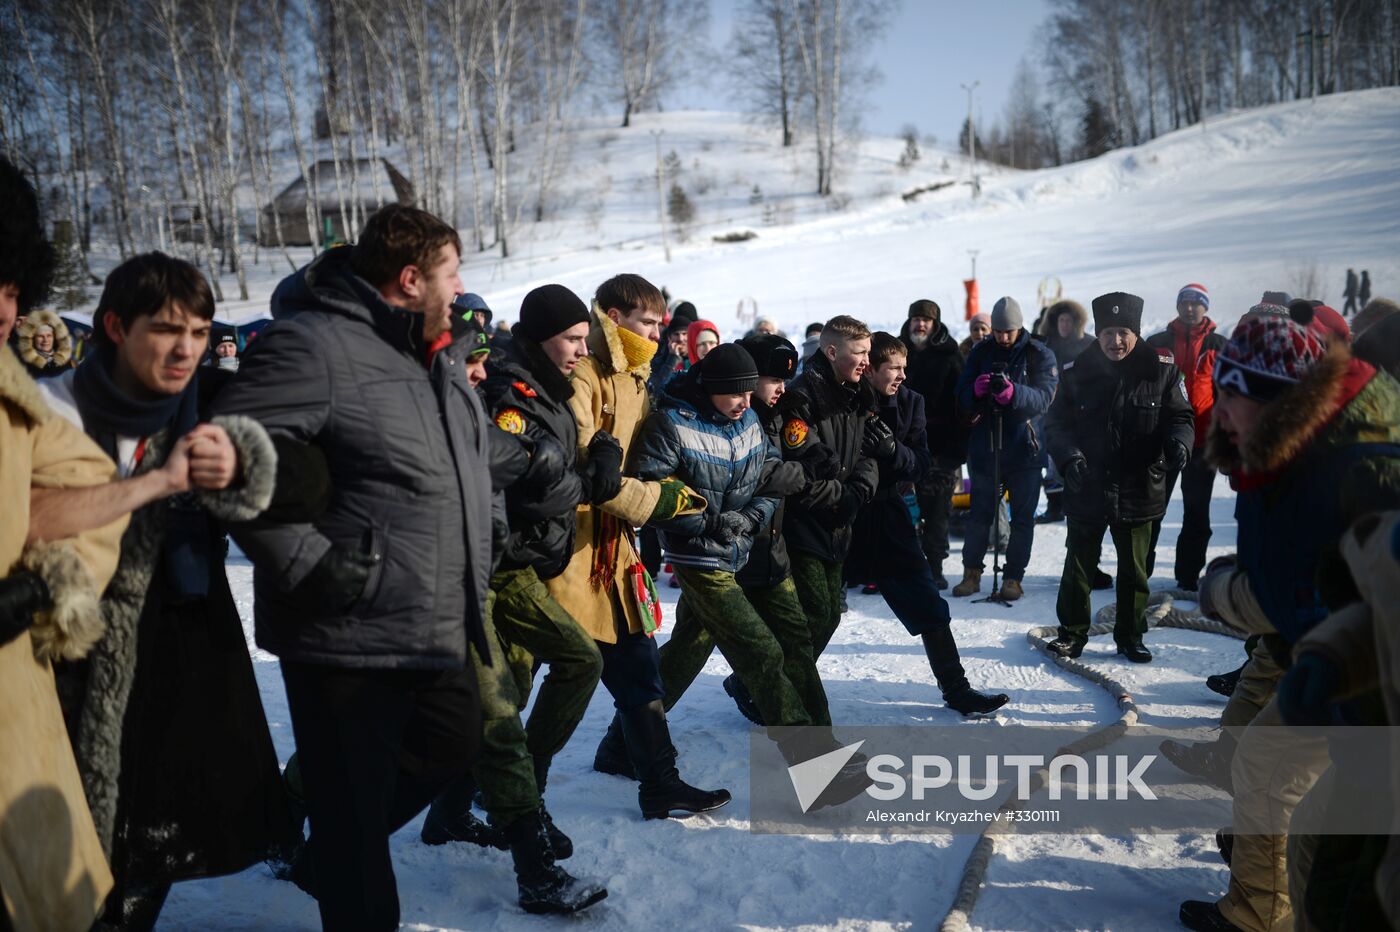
(935, 494)
(915, 601)
(650, 550)
(1197, 484)
(632, 670)
(1024, 487)
(1083, 546)
(375, 747)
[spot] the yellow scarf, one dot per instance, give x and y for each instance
(638, 350)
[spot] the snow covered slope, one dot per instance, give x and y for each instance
(1249, 202)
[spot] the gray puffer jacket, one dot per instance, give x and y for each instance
(408, 454)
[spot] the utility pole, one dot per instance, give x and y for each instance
(971, 137)
(973, 253)
(660, 201)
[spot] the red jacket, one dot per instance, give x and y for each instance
(1194, 351)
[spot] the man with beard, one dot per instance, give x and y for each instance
(934, 365)
(373, 606)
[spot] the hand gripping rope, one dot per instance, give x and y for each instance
(1161, 613)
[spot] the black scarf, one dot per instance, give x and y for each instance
(109, 413)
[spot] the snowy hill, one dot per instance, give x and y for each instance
(1254, 200)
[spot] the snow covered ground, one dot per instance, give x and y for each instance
(1263, 199)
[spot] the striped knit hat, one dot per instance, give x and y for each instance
(1267, 355)
(1194, 292)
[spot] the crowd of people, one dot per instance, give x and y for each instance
(436, 512)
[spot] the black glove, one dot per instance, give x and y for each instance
(21, 595)
(546, 465)
(729, 526)
(1176, 455)
(337, 581)
(847, 509)
(1074, 474)
(878, 441)
(1307, 689)
(604, 467)
(820, 462)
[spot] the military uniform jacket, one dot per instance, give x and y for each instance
(526, 395)
(1118, 417)
(818, 409)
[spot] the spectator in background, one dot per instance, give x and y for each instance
(1349, 308)
(671, 360)
(934, 365)
(701, 336)
(1062, 329)
(978, 329)
(44, 345)
(1191, 340)
(226, 352)
(1373, 313)
(811, 342)
(765, 325)
(475, 305)
(1363, 294)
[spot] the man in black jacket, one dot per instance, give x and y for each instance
(884, 548)
(1120, 423)
(527, 395)
(828, 404)
(934, 365)
(373, 605)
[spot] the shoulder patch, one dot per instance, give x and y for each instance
(1167, 358)
(795, 432)
(511, 420)
(1067, 366)
(524, 389)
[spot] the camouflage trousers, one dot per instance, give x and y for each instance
(819, 585)
(719, 614)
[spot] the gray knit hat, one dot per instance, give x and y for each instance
(1006, 315)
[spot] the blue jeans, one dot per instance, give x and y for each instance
(632, 671)
(1024, 486)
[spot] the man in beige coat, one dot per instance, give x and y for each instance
(605, 587)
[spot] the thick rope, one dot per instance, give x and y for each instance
(1161, 613)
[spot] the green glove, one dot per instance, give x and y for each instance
(672, 502)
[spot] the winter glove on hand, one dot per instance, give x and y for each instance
(878, 442)
(981, 384)
(1177, 456)
(847, 509)
(673, 500)
(546, 466)
(1307, 689)
(820, 462)
(337, 581)
(1075, 473)
(729, 526)
(1003, 397)
(21, 595)
(604, 467)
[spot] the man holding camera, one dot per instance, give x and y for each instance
(1006, 385)
(1120, 425)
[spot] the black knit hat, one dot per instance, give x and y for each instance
(774, 356)
(925, 308)
(549, 310)
(1118, 309)
(728, 369)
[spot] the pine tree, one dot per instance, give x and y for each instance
(69, 280)
(679, 207)
(910, 156)
(1097, 134)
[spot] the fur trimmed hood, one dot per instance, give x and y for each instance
(62, 341)
(19, 389)
(1052, 314)
(1289, 423)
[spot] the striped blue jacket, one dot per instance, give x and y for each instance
(720, 459)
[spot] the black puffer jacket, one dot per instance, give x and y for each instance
(818, 409)
(408, 453)
(883, 540)
(527, 395)
(933, 372)
(1118, 417)
(768, 562)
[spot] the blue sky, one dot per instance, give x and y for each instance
(931, 47)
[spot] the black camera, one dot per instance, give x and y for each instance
(998, 381)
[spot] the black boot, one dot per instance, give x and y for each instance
(450, 818)
(801, 745)
(943, 659)
(612, 756)
(1225, 683)
(939, 580)
(1209, 760)
(562, 844)
(1203, 916)
(1054, 509)
(1065, 647)
(544, 886)
(662, 792)
(1135, 650)
(1101, 580)
(740, 694)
